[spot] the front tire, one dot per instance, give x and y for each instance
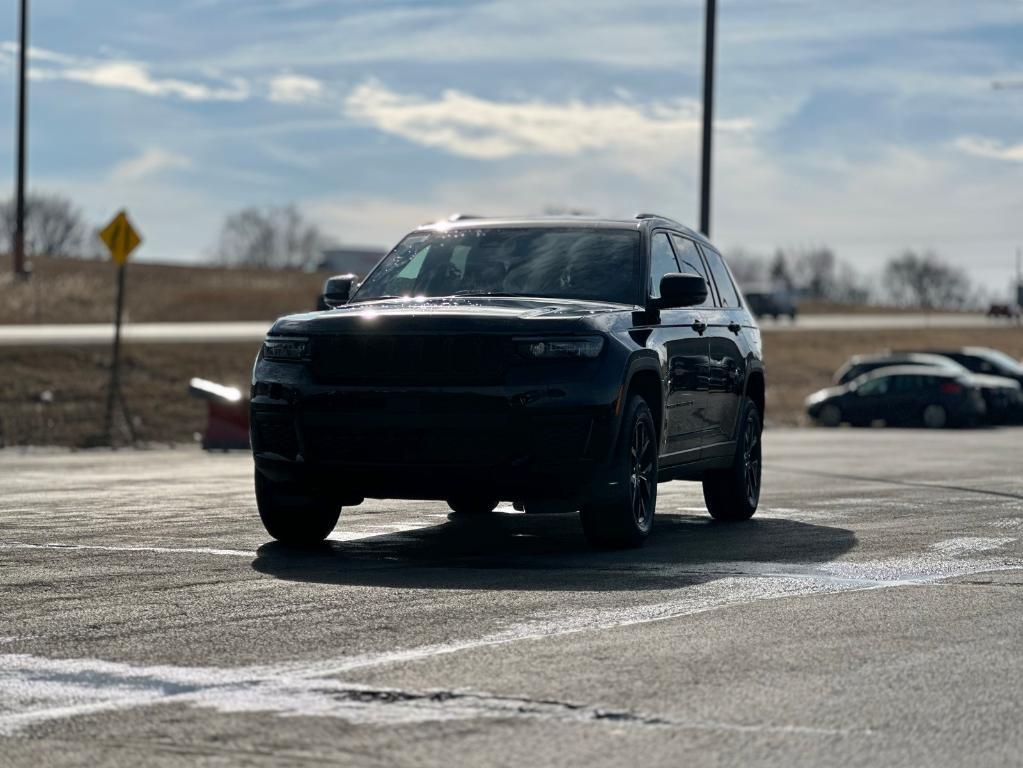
(293, 516)
(732, 494)
(625, 518)
(830, 415)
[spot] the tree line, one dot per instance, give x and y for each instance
(273, 237)
(280, 237)
(910, 278)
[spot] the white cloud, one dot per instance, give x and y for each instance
(980, 146)
(125, 74)
(471, 126)
(294, 89)
(149, 163)
(135, 76)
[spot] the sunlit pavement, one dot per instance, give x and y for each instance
(872, 613)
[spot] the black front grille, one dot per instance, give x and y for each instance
(410, 359)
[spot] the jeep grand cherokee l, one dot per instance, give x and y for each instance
(558, 364)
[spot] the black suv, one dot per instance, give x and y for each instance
(559, 364)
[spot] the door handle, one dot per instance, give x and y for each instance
(699, 326)
(734, 327)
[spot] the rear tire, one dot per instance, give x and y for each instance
(293, 516)
(626, 517)
(470, 507)
(732, 494)
(934, 416)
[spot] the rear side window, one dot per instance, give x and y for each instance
(662, 262)
(878, 386)
(906, 384)
(726, 288)
(689, 261)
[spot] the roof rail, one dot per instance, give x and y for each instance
(463, 216)
(652, 216)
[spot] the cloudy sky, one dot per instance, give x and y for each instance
(869, 126)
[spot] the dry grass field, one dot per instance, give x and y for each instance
(55, 396)
(78, 291)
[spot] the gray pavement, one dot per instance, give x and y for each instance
(872, 613)
(215, 333)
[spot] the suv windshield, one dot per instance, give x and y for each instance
(547, 262)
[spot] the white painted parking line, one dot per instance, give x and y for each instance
(35, 689)
(112, 548)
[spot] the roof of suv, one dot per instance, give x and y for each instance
(642, 221)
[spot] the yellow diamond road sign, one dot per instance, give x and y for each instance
(120, 237)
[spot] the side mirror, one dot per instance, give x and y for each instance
(680, 290)
(336, 291)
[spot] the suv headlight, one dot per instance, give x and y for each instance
(560, 348)
(286, 348)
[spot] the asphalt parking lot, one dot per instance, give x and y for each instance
(872, 613)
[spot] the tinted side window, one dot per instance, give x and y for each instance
(906, 384)
(689, 261)
(875, 386)
(662, 262)
(726, 288)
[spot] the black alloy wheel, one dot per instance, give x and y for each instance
(623, 515)
(732, 494)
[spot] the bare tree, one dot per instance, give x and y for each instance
(924, 280)
(748, 267)
(275, 236)
(813, 270)
(779, 274)
(53, 226)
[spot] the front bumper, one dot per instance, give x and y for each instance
(509, 441)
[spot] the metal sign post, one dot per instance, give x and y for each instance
(121, 239)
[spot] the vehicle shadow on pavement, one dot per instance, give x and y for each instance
(548, 552)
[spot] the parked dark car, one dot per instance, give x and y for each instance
(771, 303)
(984, 360)
(1010, 311)
(858, 365)
(1002, 398)
(903, 395)
(558, 364)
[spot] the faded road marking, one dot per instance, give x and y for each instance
(111, 548)
(77, 687)
(35, 689)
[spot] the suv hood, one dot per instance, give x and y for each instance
(461, 313)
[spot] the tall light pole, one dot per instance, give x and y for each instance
(19, 223)
(708, 115)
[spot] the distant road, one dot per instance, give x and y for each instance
(224, 333)
(148, 333)
(881, 322)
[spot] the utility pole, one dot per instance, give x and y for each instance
(19, 213)
(708, 115)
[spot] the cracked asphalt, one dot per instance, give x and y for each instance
(872, 613)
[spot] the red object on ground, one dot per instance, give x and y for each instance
(227, 419)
